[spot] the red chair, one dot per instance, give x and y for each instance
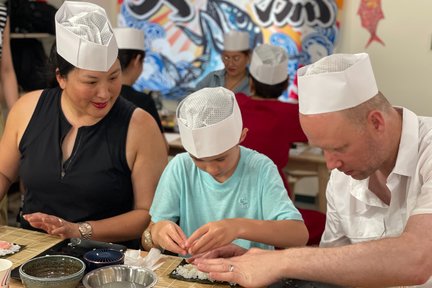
(315, 223)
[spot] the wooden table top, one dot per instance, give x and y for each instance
(36, 242)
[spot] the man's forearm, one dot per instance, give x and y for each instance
(387, 262)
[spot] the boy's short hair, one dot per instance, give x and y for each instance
(209, 121)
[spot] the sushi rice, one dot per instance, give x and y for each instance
(190, 271)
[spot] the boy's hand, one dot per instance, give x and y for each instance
(169, 236)
(212, 235)
(227, 251)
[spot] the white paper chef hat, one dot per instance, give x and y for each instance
(84, 36)
(236, 41)
(336, 82)
(209, 121)
(129, 38)
(269, 64)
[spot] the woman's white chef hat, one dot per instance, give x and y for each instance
(209, 121)
(236, 41)
(336, 82)
(84, 36)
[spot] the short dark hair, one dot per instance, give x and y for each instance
(127, 55)
(269, 91)
(55, 62)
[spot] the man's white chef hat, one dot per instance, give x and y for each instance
(209, 121)
(84, 36)
(236, 41)
(269, 64)
(129, 38)
(336, 82)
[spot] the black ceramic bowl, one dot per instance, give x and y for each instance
(102, 257)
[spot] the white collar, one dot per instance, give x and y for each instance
(406, 161)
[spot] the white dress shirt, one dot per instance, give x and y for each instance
(355, 214)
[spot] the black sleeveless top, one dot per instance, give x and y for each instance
(95, 182)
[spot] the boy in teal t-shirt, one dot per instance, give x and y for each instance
(220, 192)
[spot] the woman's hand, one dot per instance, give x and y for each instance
(211, 236)
(53, 225)
(169, 236)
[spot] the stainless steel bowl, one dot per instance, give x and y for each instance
(117, 276)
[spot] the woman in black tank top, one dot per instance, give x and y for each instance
(89, 160)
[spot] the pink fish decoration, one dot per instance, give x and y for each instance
(370, 13)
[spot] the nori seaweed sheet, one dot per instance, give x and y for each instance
(201, 281)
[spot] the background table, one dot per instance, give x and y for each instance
(174, 143)
(311, 160)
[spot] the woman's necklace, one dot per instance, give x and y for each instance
(232, 86)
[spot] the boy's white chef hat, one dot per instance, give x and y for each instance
(129, 38)
(236, 41)
(336, 82)
(209, 121)
(84, 36)
(269, 64)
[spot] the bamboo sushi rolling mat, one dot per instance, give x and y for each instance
(36, 242)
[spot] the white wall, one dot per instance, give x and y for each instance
(403, 67)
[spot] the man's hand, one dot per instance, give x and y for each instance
(256, 268)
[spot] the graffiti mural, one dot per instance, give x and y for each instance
(184, 38)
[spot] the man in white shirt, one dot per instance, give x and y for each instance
(379, 214)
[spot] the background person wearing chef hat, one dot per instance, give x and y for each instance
(273, 126)
(89, 168)
(379, 222)
(220, 191)
(130, 42)
(235, 57)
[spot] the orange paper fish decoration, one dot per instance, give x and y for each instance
(370, 13)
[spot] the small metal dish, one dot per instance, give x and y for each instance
(120, 276)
